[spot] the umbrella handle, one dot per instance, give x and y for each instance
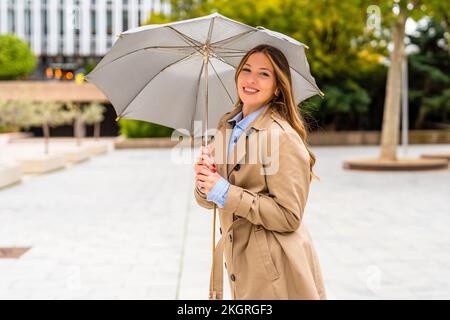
(213, 242)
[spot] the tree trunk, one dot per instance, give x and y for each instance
(97, 130)
(422, 109)
(46, 131)
(391, 116)
(420, 119)
(79, 129)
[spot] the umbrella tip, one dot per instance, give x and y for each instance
(119, 35)
(306, 46)
(321, 93)
(118, 118)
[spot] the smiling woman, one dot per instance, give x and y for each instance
(268, 251)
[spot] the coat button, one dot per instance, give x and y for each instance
(258, 227)
(230, 237)
(235, 140)
(238, 167)
(225, 265)
(220, 229)
(232, 277)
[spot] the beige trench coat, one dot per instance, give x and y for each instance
(268, 251)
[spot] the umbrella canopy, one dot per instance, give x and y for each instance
(155, 72)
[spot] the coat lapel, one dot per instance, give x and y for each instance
(239, 151)
(221, 144)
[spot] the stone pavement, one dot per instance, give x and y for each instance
(126, 226)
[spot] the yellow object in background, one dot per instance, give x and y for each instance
(79, 78)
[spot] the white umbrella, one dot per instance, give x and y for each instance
(154, 72)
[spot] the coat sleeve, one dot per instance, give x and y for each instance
(282, 209)
(200, 197)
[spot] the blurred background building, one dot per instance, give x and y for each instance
(67, 35)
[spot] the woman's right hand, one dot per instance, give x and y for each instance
(205, 159)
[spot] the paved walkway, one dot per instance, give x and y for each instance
(126, 226)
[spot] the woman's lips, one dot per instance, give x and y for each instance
(249, 93)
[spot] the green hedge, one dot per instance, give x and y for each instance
(141, 129)
(4, 129)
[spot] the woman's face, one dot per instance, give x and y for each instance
(257, 73)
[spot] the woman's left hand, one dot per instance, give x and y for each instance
(206, 178)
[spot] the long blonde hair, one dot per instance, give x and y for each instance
(284, 102)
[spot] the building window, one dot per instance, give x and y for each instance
(61, 21)
(93, 16)
(125, 20)
(12, 19)
(44, 21)
(109, 22)
(27, 22)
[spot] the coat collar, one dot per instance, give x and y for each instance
(262, 122)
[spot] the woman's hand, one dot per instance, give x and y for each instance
(206, 179)
(206, 159)
(205, 169)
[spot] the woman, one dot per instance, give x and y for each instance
(268, 251)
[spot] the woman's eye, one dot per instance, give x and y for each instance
(263, 73)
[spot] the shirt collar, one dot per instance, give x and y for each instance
(243, 122)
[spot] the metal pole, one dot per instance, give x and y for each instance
(205, 65)
(405, 104)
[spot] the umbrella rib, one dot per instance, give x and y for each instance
(196, 97)
(220, 58)
(211, 26)
(231, 56)
(218, 49)
(121, 115)
(146, 48)
(192, 42)
(231, 39)
(313, 85)
(223, 85)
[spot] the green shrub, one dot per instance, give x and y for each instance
(16, 58)
(6, 129)
(141, 129)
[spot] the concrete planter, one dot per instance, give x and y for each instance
(76, 154)
(98, 149)
(9, 174)
(41, 163)
(4, 139)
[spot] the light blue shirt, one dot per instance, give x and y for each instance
(219, 192)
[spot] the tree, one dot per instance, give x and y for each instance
(430, 69)
(93, 114)
(47, 115)
(14, 115)
(75, 114)
(395, 14)
(16, 58)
